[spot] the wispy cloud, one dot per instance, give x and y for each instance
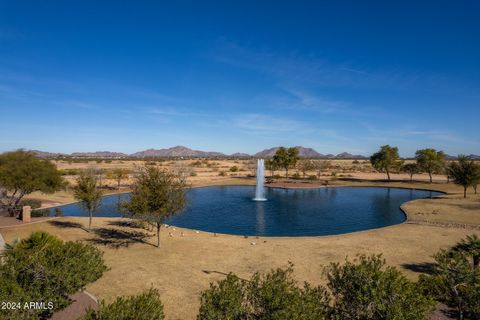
(313, 70)
(268, 124)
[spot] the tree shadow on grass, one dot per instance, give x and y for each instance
(425, 267)
(115, 238)
(66, 224)
(126, 224)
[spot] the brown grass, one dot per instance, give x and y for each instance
(185, 266)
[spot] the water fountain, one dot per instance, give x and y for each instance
(260, 189)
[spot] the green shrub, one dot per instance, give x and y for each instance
(10, 291)
(40, 213)
(296, 175)
(49, 269)
(33, 203)
(233, 169)
(367, 289)
(312, 177)
(145, 306)
(271, 296)
(222, 173)
(455, 281)
(193, 174)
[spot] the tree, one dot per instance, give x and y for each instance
(286, 158)
(430, 160)
(87, 192)
(368, 289)
(306, 165)
(271, 166)
(21, 173)
(119, 174)
(157, 195)
(411, 169)
(464, 172)
(322, 165)
(145, 306)
(386, 159)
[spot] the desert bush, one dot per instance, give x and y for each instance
(312, 177)
(193, 174)
(69, 172)
(49, 269)
(233, 169)
(197, 163)
(145, 306)
(222, 173)
(277, 176)
(296, 175)
(40, 213)
(367, 289)
(271, 296)
(33, 203)
(455, 280)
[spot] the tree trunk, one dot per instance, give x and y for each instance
(388, 174)
(411, 177)
(286, 173)
(158, 234)
(430, 174)
(464, 191)
(90, 220)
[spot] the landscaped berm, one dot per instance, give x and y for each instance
(180, 264)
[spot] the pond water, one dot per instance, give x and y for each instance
(287, 212)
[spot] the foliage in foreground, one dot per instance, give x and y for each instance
(145, 306)
(455, 279)
(367, 289)
(362, 289)
(43, 268)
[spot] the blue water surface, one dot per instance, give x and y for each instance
(288, 212)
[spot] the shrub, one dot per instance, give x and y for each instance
(221, 173)
(40, 213)
(33, 203)
(367, 289)
(145, 306)
(233, 169)
(271, 296)
(10, 291)
(69, 172)
(296, 175)
(49, 269)
(455, 281)
(193, 174)
(312, 177)
(277, 176)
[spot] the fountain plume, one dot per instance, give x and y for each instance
(260, 188)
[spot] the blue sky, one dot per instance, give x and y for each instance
(240, 76)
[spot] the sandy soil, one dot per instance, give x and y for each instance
(184, 266)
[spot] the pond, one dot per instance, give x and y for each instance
(287, 212)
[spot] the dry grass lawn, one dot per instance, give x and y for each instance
(184, 266)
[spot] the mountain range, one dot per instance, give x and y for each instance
(181, 151)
